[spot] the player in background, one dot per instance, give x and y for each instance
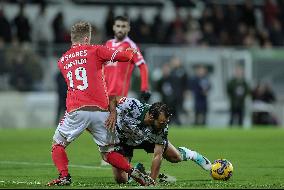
(88, 103)
(118, 74)
(144, 126)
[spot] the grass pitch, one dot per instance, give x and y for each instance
(257, 156)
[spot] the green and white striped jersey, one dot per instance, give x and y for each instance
(130, 128)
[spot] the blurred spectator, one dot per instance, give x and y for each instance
(142, 30)
(179, 78)
(232, 19)
(200, 87)
(60, 33)
(59, 29)
(25, 69)
(176, 29)
(218, 19)
(109, 23)
(276, 33)
(22, 25)
(166, 89)
(158, 29)
(193, 33)
(41, 30)
(242, 31)
(248, 16)
(264, 39)
(3, 64)
(263, 98)
(237, 90)
(205, 17)
(209, 36)
(249, 39)
(5, 27)
(270, 12)
(61, 89)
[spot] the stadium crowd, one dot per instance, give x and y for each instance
(230, 24)
(241, 25)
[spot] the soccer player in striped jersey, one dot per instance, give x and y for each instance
(143, 126)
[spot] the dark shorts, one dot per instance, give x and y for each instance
(127, 151)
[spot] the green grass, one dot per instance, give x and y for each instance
(256, 154)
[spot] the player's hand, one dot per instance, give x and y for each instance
(110, 122)
(145, 96)
(132, 49)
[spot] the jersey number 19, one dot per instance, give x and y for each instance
(80, 75)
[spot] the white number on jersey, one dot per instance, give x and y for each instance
(80, 75)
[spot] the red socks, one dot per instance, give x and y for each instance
(119, 161)
(60, 159)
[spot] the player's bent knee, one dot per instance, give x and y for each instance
(174, 159)
(57, 146)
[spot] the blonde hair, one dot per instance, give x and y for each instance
(79, 31)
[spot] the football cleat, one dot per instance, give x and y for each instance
(141, 168)
(164, 178)
(203, 162)
(60, 181)
(141, 178)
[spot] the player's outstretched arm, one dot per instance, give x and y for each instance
(145, 93)
(157, 161)
(107, 54)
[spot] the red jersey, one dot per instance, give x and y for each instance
(83, 69)
(118, 74)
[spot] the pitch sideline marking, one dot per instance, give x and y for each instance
(48, 164)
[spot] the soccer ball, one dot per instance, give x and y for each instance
(221, 169)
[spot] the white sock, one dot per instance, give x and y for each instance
(187, 154)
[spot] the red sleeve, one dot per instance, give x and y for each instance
(144, 77)
(108, 54)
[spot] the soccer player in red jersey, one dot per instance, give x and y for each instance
(118, 74)
(88, 103)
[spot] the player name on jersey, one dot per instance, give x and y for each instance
(80, 53)
(75, 62)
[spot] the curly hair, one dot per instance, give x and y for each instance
(157, 108)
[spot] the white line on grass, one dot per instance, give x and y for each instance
(48, 164)
(22, 182)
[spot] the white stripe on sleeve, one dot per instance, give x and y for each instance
(113, 55)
